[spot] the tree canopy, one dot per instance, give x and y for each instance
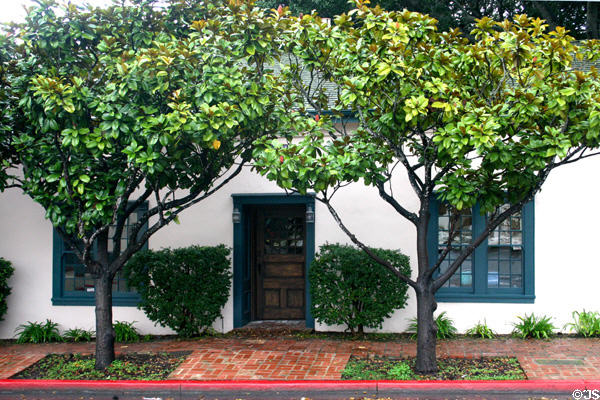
(580, 18)
(467, 121)
(107, 109)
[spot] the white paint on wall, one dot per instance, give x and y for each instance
(567, 273)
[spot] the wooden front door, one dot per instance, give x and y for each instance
(279, 262)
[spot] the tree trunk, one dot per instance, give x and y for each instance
(426, 304)
(592, 20)
(105, 337)
(426, 332)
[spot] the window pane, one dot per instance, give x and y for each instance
(461, 237)
(283, 235)
(517, 238)
(466, 280)
(505, 255)
(444, 223)
(77, 279)
(504, 267)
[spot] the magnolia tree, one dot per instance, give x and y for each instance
(108, 109)
(482, 121)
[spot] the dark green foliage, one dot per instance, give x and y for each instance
(585, 323)
(78, 335)
(349, 288)
(481, 330)
(534, 327)
(36, 332)
(462, 14)
(184, 288)
(126, 332)
(445, 327)
(6, 271)
(104, 108)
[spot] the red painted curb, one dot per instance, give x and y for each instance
(543, 385)
(256, 385)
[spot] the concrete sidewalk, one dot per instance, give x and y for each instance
(324, 359)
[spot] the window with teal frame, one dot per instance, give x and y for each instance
(74, 285)
(500, 270)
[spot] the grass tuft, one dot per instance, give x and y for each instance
(481, 330)
(37, 332)
(531, 326)
(445, 327)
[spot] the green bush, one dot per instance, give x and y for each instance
(6, 271)
(585, 323)
(126, 332)
(349, 288)
(531, 326)
(36, 332)
(445, 327)
(481, 330)
(78, 335)
(184, 289)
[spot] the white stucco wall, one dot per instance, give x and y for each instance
(567, 270)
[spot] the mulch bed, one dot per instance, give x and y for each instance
(492, 368)
(131, 366)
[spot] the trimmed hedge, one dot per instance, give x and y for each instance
(6, 271)
(349, 288)
(184, 289)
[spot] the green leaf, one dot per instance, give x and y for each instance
(568, 91)
(383, 69)
(52, 178)
(69, 107)
(84, 178)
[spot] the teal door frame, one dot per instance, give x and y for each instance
(241, 257)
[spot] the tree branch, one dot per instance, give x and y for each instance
(453, 231)
(179, 205)
(413, 178)
(412, 217)
(365, 248)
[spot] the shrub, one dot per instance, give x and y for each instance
(445, 327)
(6, 271)
(531, 326)
(349, 288)
(482, 331)
(401, 371)
(585, 323)
(36, 332)
(78, 335)
(125, 332)
(184, 289)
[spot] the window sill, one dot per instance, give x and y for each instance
(489, 298)
(89, 301)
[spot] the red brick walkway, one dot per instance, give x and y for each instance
(290, 359)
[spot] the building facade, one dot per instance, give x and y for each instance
(542, 261)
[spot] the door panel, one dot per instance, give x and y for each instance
(280, 262)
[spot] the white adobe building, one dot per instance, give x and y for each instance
(548, 265)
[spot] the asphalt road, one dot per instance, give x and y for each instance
(272, 394)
